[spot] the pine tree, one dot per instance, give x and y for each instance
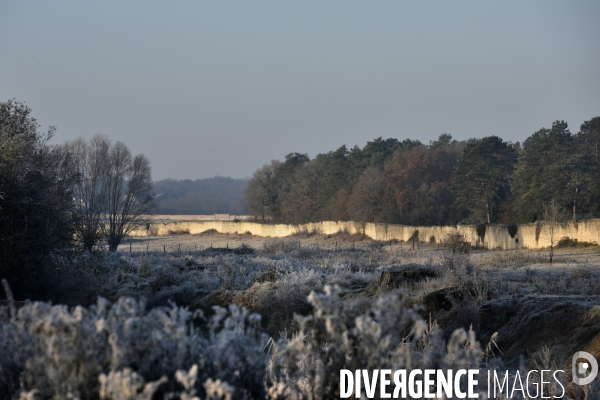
(481, 178)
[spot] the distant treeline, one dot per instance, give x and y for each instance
(218, 195)
(483, 180)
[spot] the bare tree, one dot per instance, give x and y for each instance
(114, 192)
(553, 214)
(91, 188)
(130, 194)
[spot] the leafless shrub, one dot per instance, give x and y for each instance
(280, 246)
(228, 274)
(467, 290)
(457, 268)
(457, 243)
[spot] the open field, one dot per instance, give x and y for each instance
(565, 257)
(201, 241)
(505, 274)
(173, 314)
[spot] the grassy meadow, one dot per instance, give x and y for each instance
(237, 316)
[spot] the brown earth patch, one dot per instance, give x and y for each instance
(565, 324)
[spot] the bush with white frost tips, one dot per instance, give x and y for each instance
(123, 351)
(340, 335)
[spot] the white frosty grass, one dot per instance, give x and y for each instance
(124, 351)
(142, 337)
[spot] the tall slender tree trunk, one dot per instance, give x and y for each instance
(487, 205)
(575, 206)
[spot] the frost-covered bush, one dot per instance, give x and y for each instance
(344, 335)
(277, 303)
(184, 278)
(122, 350)
(143, 343)
(457, 243)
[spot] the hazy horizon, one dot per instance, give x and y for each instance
(218, 89)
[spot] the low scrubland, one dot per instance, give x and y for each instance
(280, 318)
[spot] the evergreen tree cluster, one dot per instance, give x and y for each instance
(485, 180)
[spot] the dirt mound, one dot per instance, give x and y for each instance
(565, 324)
(346, 237)
(397, 276)
(179, 232)
(446, 298)
(210, 232)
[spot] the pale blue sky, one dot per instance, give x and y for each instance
(221, 87)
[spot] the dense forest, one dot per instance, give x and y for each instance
(485, 180)
(218, 195)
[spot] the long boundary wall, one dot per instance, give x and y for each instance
(532, 236)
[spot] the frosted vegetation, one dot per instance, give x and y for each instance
(281, 319)
(277, 322)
